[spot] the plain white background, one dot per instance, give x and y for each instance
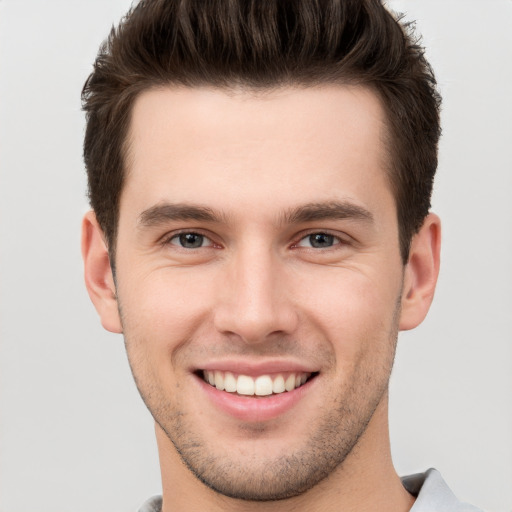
(75, 436)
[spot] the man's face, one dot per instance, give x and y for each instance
(258, 249)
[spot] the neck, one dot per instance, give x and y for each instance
(366, 481)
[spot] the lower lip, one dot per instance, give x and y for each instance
(252, 408)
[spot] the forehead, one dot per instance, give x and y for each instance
(300, 141)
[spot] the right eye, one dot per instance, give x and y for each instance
(190, 240)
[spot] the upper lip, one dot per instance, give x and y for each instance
(255, 368)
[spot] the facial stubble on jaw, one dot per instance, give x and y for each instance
(334, 438)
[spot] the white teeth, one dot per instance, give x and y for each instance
(219, 381)
(278, 384)
(245, 385)
(289, 385)
(264, 385)
(230, 382)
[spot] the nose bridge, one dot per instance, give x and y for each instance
(254, 302)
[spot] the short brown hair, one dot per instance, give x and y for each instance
(257, 45)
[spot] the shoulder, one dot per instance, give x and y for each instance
(433, 494)
(154, 504)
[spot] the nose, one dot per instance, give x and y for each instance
(254, 302)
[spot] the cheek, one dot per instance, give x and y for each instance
(355, 312)
(157, 296)
(159, 316)
(164, 307)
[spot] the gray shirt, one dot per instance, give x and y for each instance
(431, 492)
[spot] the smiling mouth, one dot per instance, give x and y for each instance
(262, 385)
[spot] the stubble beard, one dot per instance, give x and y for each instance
(285, 476)
(336, 433)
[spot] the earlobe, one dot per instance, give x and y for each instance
(98, 274)
(421, 273)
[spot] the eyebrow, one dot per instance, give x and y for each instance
(161, 213)
(310, 212)
(330, 210)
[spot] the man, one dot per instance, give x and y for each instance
(260, 176)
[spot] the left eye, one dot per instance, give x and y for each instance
(319, 241)
(190, 240)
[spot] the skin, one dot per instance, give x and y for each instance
(270, 170)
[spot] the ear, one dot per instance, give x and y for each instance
(421, 273)
(98, 274)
